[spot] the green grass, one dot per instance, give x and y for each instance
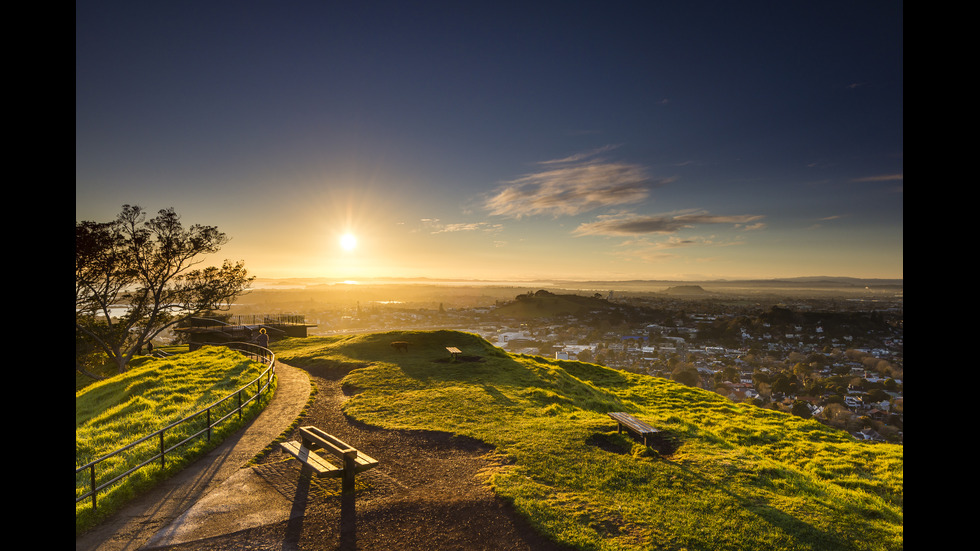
(108, 369)
(741, 477)
(112, 413)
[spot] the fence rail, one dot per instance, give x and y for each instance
(254, 352)
(252, 319)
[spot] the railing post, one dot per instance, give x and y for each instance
(94, 492)
(239, 404)
(207, 417)
(163, 460)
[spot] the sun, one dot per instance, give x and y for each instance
(348, 242)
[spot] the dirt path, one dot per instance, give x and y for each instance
(427, 493)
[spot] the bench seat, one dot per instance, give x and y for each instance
(307, 457)
(635, 426)
(314, 439)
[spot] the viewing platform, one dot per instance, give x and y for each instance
(244, 327)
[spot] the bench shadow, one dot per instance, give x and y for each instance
(297, 514)
(294, 526)
(498, 396)
(348, 522)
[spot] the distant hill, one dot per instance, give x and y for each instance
(723, 476)
(822, 281)
(543, 303)
(686, 290)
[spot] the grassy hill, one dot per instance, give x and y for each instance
(734, 476)
(115, 412)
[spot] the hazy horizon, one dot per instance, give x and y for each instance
(685, 142)
(828, 282)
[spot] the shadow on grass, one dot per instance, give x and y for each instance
(799, 531)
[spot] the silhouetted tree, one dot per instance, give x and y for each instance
(685, 374)
(145, 267)
(801, 409)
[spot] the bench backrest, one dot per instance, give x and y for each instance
(314, 438)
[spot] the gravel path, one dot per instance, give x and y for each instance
(427, 493)
(156, 513)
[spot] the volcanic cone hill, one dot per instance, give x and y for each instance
(724, 475)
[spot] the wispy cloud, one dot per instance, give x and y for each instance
(571, 186)
(579, 157)
(475, 226)
(819, 222)
(882, 178)
(665, 223)
(434, 226)
(642, 250)
(898, 187)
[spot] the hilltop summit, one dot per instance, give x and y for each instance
(735, 476)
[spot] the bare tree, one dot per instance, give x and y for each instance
(146, 269)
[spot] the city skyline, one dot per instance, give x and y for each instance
(572, 140)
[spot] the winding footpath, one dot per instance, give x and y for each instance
(429, 491)
(174, 511)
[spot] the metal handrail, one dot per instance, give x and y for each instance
(252, 319)
(253, 351)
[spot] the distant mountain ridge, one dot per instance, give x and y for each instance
(820, 281)
(828, 281)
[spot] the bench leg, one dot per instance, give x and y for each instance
(348, 483)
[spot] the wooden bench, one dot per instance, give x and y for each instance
(351, 460)
(400, 346)
(454, 352)
(635, 426)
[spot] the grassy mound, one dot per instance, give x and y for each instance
(734, 476)
(114, 412)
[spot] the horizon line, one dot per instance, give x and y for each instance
(573, 280)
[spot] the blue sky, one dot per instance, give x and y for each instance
(574, 140)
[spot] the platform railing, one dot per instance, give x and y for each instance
(251, 319)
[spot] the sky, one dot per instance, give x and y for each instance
(660, 140)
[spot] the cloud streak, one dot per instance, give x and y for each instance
(571, 186)
(665, 223)
(435, 226)
(473, 226)
(882, 178)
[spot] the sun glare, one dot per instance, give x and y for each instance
(348, 241)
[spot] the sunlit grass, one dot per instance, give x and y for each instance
(742, 477)
(113, 413)
(103, 367)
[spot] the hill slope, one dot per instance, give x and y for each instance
(732, 477)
